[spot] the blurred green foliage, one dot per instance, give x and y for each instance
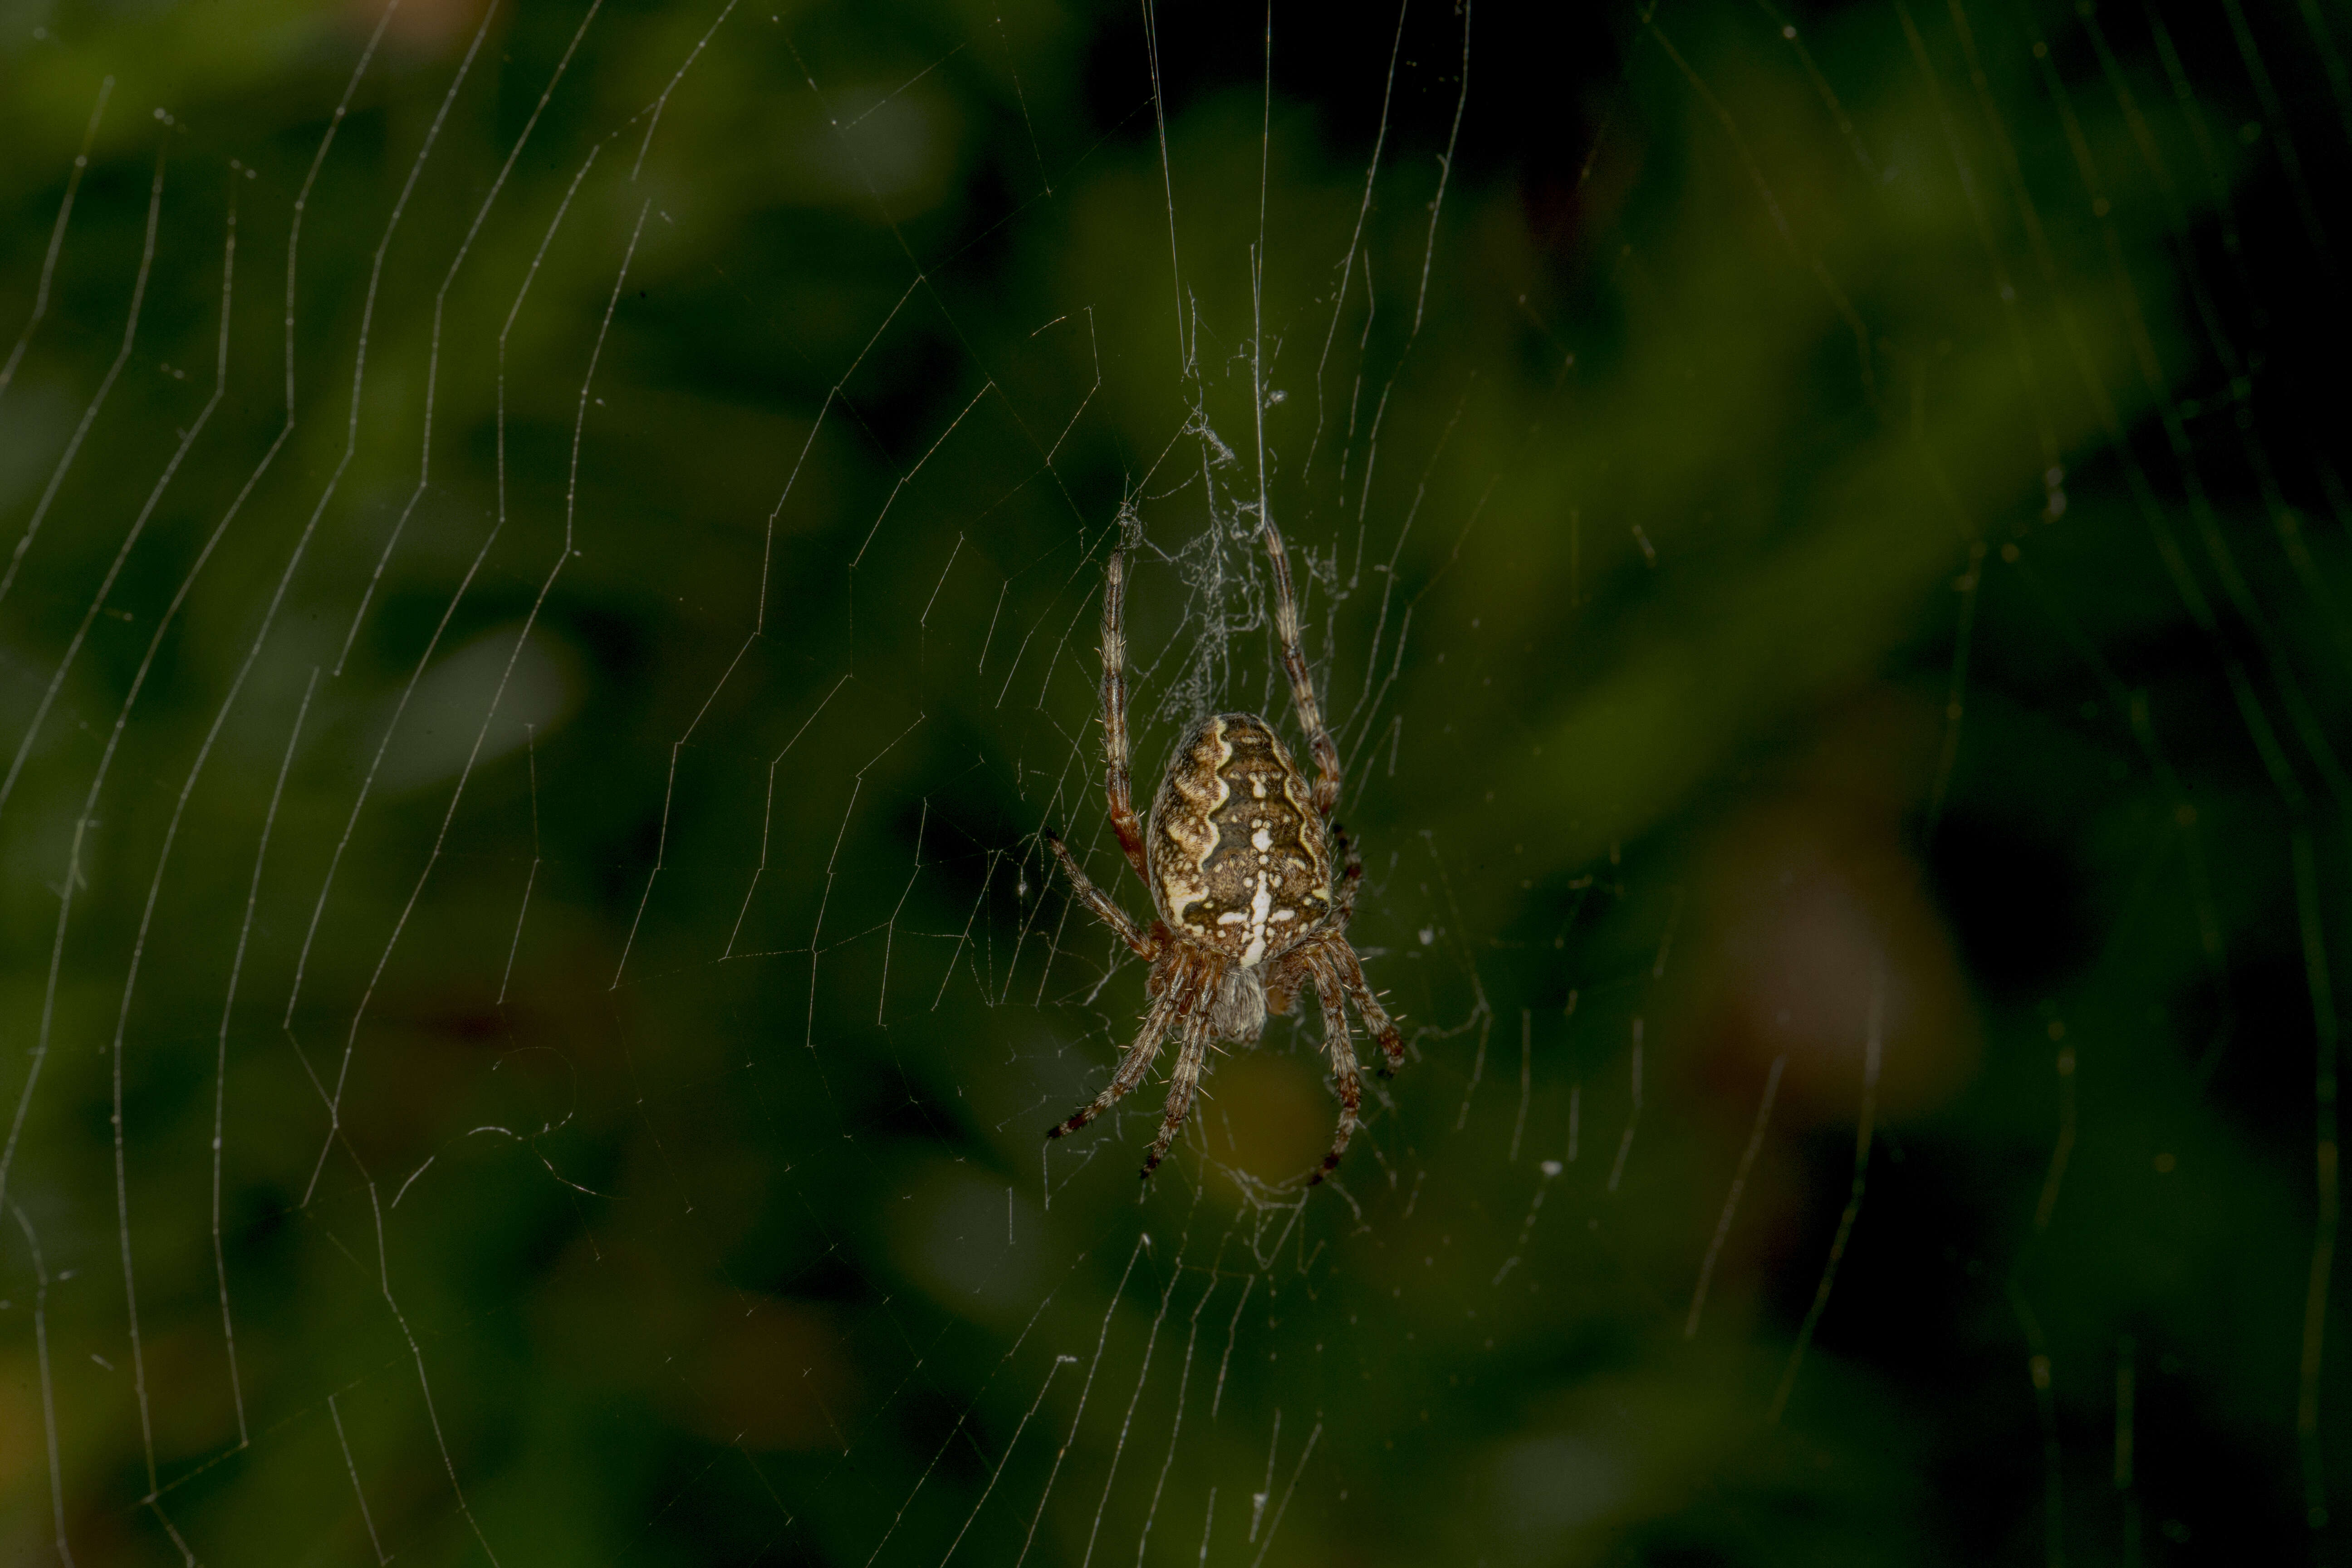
(556, 558)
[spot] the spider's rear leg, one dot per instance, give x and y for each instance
(1346, 1077)
(1131, 1068)
(1146, 947)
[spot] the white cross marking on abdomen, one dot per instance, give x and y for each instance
(1261, 906)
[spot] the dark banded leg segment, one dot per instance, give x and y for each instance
(1346, 1077)
(1130, 1072)
(1377, 1021)
(1095, 898)
(1182, 1083)
(1119, 780)
(1302, 680)
(1352, 878)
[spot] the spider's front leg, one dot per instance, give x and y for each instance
(1116, 783)
(1302, 680)
(1146, 947)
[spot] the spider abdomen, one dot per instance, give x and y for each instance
(1241, 861)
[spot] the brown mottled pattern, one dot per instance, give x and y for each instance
(1240, 858)
(1253, 885)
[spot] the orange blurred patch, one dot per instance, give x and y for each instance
(1270, 1120)
(768, 1374)
(427, 29)
(21, 1433)
(1812, 912)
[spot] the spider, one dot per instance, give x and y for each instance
(1238, 854)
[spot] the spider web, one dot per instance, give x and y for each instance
(556, 556)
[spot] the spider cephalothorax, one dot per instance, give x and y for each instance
(1239, 859)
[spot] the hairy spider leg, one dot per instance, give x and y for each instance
(1346, 1077)
(1359, 991)
(1351, 878)
(1110, 914)
(1302, 681)
(1131, 1068)
(1350, 968)
(1119, 780)
(1181, 1084)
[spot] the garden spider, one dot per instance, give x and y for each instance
(1238, 855)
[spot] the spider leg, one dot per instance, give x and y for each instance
(1302, 680)
(1359, 991)
(1345, 1074)
(1131, 1068)
(1352, 878)
(1117, 778)
(1095, 898)
(1348, 970)
(1181, 1084)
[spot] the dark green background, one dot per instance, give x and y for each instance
(1818, 532)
